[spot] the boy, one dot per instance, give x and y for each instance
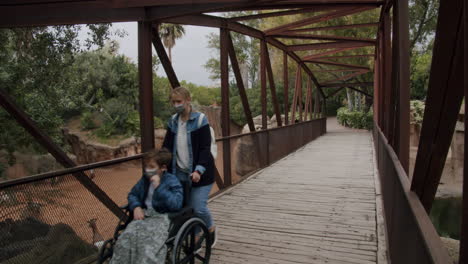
(157, 189)
(155, 194)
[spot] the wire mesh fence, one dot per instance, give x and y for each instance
(55, 219)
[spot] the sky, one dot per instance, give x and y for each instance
(189, 54)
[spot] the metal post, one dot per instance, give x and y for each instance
(286, 87)
(240, 84)
(294, 102)
(464, 231)
(404, 83)
(166, 63)
(225, 119)
(263, 93)
(145, 72)
(386, 68)
(271, 82)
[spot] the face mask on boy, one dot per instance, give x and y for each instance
(150, 172)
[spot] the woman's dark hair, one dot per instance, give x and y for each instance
(161, 157)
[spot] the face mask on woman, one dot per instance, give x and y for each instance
(179, 108)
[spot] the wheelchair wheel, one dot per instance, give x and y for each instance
(185, 249)
(105, 252)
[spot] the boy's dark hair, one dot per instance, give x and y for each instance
(162, 157)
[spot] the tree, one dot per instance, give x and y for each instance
(247, 51)
(34, 70)
(169, 33)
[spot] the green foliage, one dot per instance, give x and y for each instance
(420, 69)
(87, 121)
(35, 70)
(118, 118)
(416, 112)
(355, 119)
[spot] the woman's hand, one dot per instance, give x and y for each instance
(195, 176)
(138, 214)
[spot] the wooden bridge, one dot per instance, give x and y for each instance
(317, 205)
(312, 195)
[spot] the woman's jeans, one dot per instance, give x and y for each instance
(198, 199)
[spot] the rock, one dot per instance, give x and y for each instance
(246, 155)
(453, 247)
(159, 135)
(90, 152)
(273, 120)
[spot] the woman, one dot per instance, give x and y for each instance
(190, 142)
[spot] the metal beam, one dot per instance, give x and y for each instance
(360, 91)
(335, 92)
(319, 18)
(333, 27)
(212, 21)
(240, 84)
(263, 81)
(225, 115)
(337, 70)
(296, 94)
(57, 13)
(352, 66)
(348, 56)
(329, 45)
(47, 143)
(334, 51)
(319, 8)
(286, 88)
(463, 230)
(348, 84)
(347, 77)
(321, 37)
(401, 27)
(145, 73)
(271, 81)
(444, 97)
(166, 63)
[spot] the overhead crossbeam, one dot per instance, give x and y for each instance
(321, 37)
(349, 56)
(332, 27)
(329, 45)
(337, 64)
(290, 12)
(347, 77)
(334, 51)
(358, 84)
(319, 18)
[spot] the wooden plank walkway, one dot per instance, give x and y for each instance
(318, 205)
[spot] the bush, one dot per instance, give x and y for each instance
(355, 119)
(87, 121)
(118, 118)
(416, 112)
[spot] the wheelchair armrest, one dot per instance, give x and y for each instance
(185, 212)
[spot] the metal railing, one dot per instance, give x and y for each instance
(411, 236)
(55, 213)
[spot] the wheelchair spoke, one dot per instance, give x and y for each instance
(200, 258)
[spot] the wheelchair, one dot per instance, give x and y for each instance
(181, 240)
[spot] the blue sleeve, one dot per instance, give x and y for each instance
(135, 195)
(169, 195)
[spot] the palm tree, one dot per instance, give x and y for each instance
(169, 33)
